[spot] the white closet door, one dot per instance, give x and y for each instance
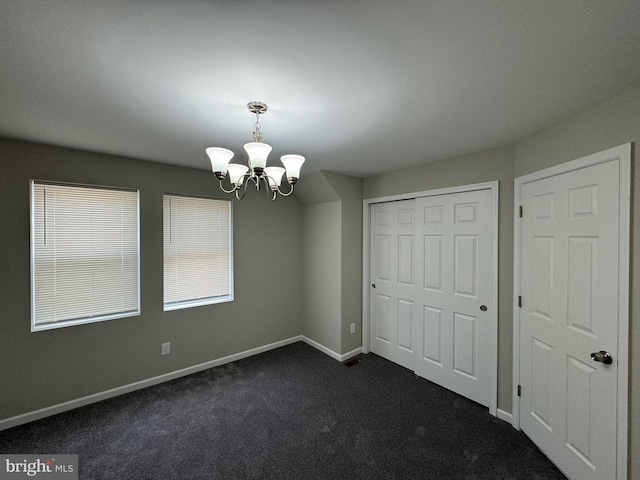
(452, 329)
(431, 261)
(393, 278)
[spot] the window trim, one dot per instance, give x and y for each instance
(167, 307)
(32, 254)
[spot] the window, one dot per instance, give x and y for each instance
(197, 252)
(84, 254)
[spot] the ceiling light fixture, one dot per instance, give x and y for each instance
(257, 171)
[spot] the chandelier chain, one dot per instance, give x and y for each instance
(257, 133)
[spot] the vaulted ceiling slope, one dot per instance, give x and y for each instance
(359, 87)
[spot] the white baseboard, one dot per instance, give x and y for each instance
(347, 356)
(331, 353)
(114, 392)
(506, 416)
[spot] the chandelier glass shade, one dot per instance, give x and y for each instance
(239, 176)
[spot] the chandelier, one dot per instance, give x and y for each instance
(257, 172)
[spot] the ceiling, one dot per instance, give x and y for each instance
(360, 87)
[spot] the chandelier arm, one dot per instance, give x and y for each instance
(257, 181)
(286, 194)
(267, 188)
(234, 189)
(244, 185)
(271, 192)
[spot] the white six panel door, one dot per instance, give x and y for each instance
(569, 287)
(452, 341)
(393, 274)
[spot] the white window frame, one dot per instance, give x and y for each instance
(37, 325)
(208, 300)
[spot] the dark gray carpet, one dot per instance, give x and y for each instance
(289, 413)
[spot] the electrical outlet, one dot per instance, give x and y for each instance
(166, 348)
(353, 328)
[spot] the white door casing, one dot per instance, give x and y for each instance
(571, 274)
(476, 366)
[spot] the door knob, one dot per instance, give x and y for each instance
(602, 356)
(373, 285)
(483, 308)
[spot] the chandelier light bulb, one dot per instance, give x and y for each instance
(274, 176)
(220, 158)
(258, 153)
(293, 164)
(237, 173)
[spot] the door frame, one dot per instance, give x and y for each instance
(366, 267)
(622, 154)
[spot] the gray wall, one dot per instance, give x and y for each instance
(350, 191)
(332, 259)
(321, 259)
(351, 273)
(49, 367)
(476, 168)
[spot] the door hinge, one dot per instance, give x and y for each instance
(519, 390)
(520, 211)
(520, 301)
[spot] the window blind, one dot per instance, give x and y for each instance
(85, 254)
(197, 251)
